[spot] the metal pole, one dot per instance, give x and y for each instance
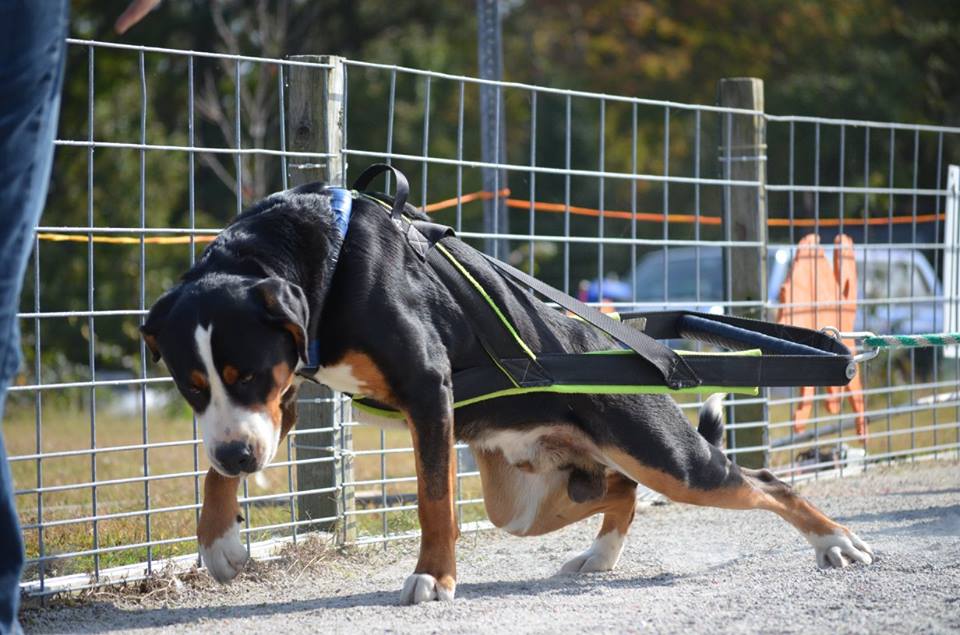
(493, 136)
(315, 120)
(951, 270)
(743, 157)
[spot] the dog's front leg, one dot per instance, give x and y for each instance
(219, 530)
(218, 533)
(435, 577)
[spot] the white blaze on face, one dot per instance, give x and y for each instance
(224, 421)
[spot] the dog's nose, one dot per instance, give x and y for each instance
(236, 457)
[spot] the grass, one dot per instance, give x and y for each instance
(896, 424)
(67, 427)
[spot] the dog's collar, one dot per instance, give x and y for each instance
(341, 204)
(420, 235)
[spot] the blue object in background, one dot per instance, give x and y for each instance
(613, 291)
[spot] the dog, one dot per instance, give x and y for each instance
(237, 328)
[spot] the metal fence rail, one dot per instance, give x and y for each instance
(625, 201)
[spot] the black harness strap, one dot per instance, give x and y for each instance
(421, 235)
(792, 356)
(502, 349)
(675, 372)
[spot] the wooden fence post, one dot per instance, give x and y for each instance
(315, 119)
(743, 158)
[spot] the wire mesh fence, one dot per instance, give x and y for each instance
(626, 202)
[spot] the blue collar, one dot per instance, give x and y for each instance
(341, 204)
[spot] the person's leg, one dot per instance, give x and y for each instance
(32, 51)
(11, 556)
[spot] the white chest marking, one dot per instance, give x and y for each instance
(340, 377)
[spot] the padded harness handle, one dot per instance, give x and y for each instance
(403, 187)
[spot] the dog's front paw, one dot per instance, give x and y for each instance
(225, 556)
(423, 587)
(839, 548)
(602, 555)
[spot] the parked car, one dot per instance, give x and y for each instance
(695, 281)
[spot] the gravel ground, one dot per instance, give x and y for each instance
(684, 569)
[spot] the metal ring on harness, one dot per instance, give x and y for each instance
(865, 356)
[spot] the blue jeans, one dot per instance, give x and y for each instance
(32, 52)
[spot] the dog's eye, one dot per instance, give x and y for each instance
(246, 379)
(194, 390)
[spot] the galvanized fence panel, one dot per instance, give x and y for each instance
(619, 200)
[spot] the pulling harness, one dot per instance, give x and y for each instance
(763, 353)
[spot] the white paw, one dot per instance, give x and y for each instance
(226, 556)
(602, 555)
(839, 549)
(423, 587)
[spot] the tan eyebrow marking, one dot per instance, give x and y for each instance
(230, 375)
(199, 380)
(282, 378)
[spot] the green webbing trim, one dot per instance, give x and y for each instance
(575, 389)
(493, 305)
(610, 389)
(479, 288)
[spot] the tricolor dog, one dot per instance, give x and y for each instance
(286, 287)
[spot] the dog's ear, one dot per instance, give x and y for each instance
(286, 306)
(151, 328)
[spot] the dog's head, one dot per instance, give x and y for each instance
(232, 345)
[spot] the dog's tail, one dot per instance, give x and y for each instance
(711, 419)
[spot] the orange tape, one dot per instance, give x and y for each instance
(466, 198)
(653, 217)
(539, 206)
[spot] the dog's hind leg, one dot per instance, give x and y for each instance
(527, 503)
(619, 507)
(671, 458)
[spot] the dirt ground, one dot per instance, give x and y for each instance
(684, 569)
